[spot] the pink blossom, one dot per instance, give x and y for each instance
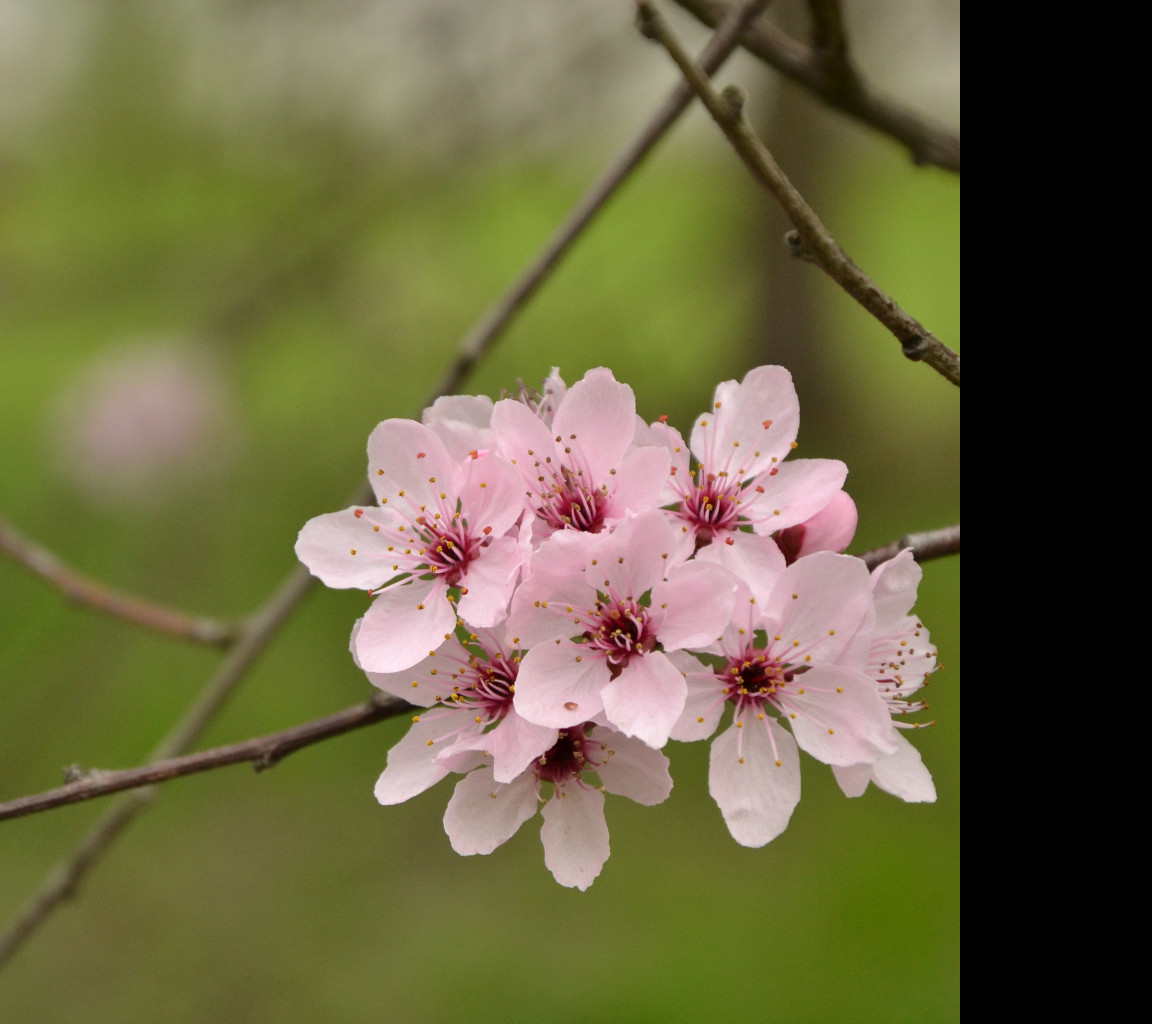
(792, 659)
(581, 471)
(599, 637)
(137, 425)
(441, 524)
(468, 685)
(483, 814)
(900, 659)
(742, 479)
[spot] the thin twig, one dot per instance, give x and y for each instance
(925, 546)
(839, 85)
(102, 598)
(262, 751)
(810, 239)
(500, 315)
(61, 883)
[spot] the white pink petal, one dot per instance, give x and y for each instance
(754, 777)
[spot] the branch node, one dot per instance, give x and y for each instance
(795, 246)
(734, 98)
(916, 348)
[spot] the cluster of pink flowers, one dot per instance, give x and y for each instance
(565, 588)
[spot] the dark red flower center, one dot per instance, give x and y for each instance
(568, 757)
(447, 548)
(756, 678)
(621, 630)
(570, 504)
(493, 684)
(712, 507)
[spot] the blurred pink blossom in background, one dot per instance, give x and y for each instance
(143, 422)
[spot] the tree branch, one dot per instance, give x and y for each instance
(925, 546)
(262, 751)
(837, 82)
(810, 240)
(87, 591)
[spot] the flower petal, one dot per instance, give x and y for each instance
(817, 606)
(647, 698)
(903, 774)
(756, 785)
(342, 550)
(753, 558)
(751, 425)
(408, 464)
(705, 703)
(853, 778)
(412, 766)
(424, 684)
(641, 482)
(692, 608)
(597, 416)
(633, 769)
(559, 686)
(838, 716)
(547, 606)
(483, 814)
(462, 422)
(515, 743)
(489, 582)
(491, 495)
(799, 489)
(575, 835)
(403, 625)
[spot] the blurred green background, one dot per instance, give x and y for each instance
(236, 235)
